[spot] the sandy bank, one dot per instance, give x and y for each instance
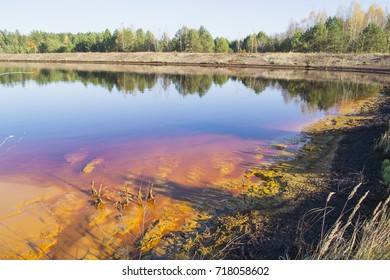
(377, 63)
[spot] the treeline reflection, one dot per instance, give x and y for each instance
(314, 95)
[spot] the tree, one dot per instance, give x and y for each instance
(32, 47)
(315, 38)
(375, 15)
(350, 30)
(179, 42)
(354, 25)
(221, 45)
(165, 43)
(236, 45)
(187, 40)
(193, 42)
(296, 42)
(250, 43)
(263, 42)
(150, 44)
(387, 30)
(373, 39)
(205, 40)
(335, 40)
(85, 42)
(139, 40)
(43, 47)
(108, 42)
(125, 40)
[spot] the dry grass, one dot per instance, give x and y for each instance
(353, 238)
(386, 172)
(127, 237)
(383, 143)
(326, 61)
(99, 196)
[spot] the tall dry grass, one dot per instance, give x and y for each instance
(383, 143)
(351, 238)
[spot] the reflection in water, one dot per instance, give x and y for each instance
(182, 133)
(314, 95)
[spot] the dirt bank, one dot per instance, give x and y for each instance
(377, 63)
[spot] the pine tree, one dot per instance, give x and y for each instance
(373, 39)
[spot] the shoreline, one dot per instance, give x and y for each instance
(359, 63)
(339, 156)
(274, 226)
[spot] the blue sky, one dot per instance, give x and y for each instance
(227, 18)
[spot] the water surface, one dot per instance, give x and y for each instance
(181, 132)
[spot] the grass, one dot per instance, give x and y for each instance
(127, 238)
(354, 238)
(99, 196)
(383, 143)
(386, 172)
(316, 60)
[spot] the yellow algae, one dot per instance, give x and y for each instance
(225, 167)
(259, 156)
(156, 232)
(210, 243)
(173, 218)
(287, 153)
(99, 217)
(92, 165)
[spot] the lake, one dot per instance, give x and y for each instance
(168, 134)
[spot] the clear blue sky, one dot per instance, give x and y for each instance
(227, 18)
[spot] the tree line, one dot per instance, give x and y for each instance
(350, 30)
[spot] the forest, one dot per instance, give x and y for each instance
(350, 30)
